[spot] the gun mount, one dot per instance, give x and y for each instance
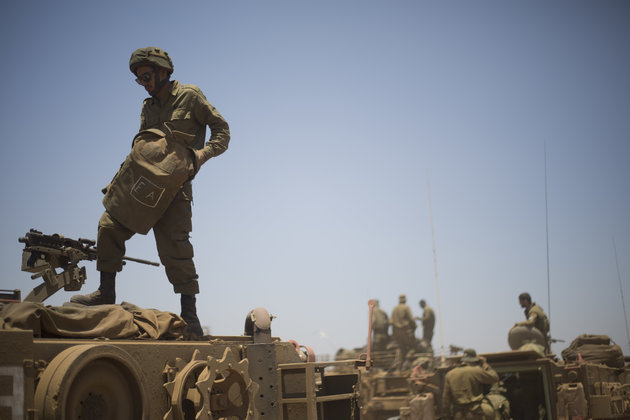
(44, 254)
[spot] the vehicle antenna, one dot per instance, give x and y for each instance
(435, 269)
(547, 240)
(623, 302)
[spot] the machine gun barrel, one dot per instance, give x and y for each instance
(141, 261)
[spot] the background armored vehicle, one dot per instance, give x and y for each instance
(532, 387)
(589, 381)
(45, 375)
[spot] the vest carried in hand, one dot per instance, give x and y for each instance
(159, 163)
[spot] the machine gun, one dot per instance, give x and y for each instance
(454, 349)
(43, 254)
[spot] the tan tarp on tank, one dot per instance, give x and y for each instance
(594, 348)
(77, 321)
(159, 163)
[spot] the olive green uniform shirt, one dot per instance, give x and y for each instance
(536, 318)
(380, 327)
(380, 321)
(403, 327)
(186, 109)
(428, 318)
(428, 323)
(463, 385)
(402, 317)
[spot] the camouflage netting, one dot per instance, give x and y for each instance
(103, 321)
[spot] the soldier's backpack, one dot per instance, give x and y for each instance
(159, 163)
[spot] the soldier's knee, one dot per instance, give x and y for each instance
(106, 220)
(176, 246)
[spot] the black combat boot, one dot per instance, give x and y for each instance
(106, 293)
(189, 313)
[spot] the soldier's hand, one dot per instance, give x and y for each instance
(201, 158)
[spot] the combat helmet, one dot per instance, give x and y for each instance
(150, 56)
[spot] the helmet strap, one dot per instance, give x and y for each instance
(158, 84)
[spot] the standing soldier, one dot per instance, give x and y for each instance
(183, 112)
(428, 322)
(380, 327)
(403, 327)
(463, 396)
(534, 317)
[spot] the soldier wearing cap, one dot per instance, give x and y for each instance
(534, 317)
(183, 109)
(403, 327)
(463, 397)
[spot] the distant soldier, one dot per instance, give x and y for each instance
(380, 328)
(428, 322)
(535, 317)
(403, 327)
(463, 397)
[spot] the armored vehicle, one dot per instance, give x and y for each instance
(535, 387)
(590, 381)
(50, 370)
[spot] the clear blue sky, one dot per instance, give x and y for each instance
(337, 111)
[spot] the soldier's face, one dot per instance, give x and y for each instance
(146, 76)
(149, 78)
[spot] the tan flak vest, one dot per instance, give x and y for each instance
(159, 163)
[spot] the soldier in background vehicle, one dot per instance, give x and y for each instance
(428, 322)
(403, 328)
(380, 328)
(186, 110)
(534, 317)
(463, 396)
(499, 401)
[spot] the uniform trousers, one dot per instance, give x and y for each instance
(172, 238)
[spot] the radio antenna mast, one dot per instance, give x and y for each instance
(547, 239)
(435, 270)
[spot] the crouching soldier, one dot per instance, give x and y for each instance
(463, 397)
